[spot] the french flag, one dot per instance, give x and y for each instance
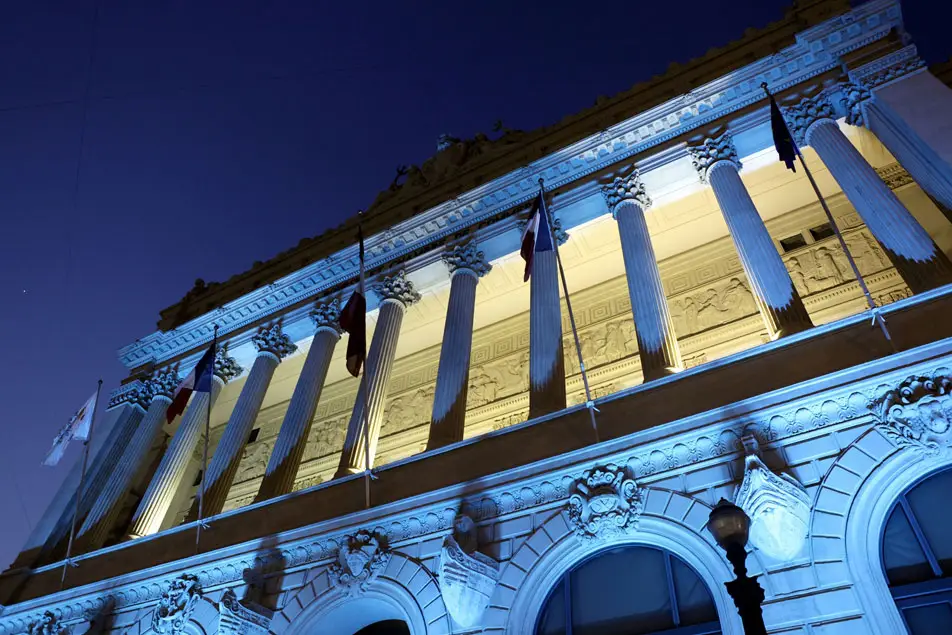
(199, 380)
(537, 236)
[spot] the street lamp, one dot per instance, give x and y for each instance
(730, 525)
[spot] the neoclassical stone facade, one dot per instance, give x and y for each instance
(725, 340)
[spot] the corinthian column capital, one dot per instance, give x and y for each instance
(855, 95)
(803, 117)
(272, 340)
(134, 394)
(162, 384)
(326, 316)
(396, 288)
(226, 368)
(713, 151)
(466, 258)
(627, 186)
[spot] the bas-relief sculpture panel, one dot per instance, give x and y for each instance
(823, 265)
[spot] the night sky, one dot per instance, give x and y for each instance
(218, 134)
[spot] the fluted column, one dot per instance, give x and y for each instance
(546, 356)
(922, 162)
(654, 328)
(131, 407)
(170, 474)
(467, 265)
(396, 293)
(101, 518)
(780, 305)
(273, 346)
(910, 248)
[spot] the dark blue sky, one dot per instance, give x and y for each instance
(220, 133)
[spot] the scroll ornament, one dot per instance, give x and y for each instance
(917, 413)
(605, 503)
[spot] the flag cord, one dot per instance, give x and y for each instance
(589, 402)
(208, 424)
(873, 309)
(368, 474)
(79, 490)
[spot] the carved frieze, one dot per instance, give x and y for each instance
(801, 116)
(226, 367)
(466, 257)
(627, 186)
(47, 624)
(407, 410)
(778, 507)
(361, 558)
(719, 303)
(917, 413)
(396, 287)
(711, 151)
(889, 68)
(237, 619)
(467, 577)
(605, 502)
(176, 605)
(272, 339)
(823, 265)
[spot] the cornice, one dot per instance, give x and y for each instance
(816, 51)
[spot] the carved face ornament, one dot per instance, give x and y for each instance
(606, 503)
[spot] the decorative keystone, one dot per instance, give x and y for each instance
(271, 339)
(626, 187)
(226, 368)
(606, 503)
(466, 257)
(778, 507)
(396, 287)
(713, 150)
(176, 605)
(360, 560)
(801, 117)
(467, 577)
(327, 315)
(917, 413)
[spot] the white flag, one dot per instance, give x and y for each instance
(77, 428)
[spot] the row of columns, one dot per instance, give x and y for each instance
(812, 121)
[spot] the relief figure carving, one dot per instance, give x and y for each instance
(716, 305)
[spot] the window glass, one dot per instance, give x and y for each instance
(553, 617)
(792, 242)
(695, 604)
(621, 592)
(821, 231)
(935, 520)
(933, 619)
(903, 558)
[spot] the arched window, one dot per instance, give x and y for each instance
(917, 555)
(630, 591)
(388, 627)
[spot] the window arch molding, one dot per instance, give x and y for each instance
(665, 531)
(874, 494)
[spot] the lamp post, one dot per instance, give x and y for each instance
(730, 525)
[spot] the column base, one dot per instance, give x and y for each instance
(659, 373)
(347, 471)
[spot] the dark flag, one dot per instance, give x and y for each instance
(782, 138)
(199, 380)
(537, 235)
(353, 319)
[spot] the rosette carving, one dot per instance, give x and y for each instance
(271, 339)
(606, 502)
(917, 413)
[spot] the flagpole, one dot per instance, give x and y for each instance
(79, 491)
(589, 403)
(208, 424)
(873, 309)
(368, 475)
